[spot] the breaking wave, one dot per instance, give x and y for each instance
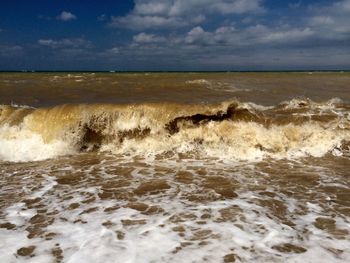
(232, 129)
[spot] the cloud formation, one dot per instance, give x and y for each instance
(148, 38)
(230, 37)
(148, 14)
(333, 21)
(65, 43)
(324, 24)
(203, 35)
(10, 50)
(243, 35)
(66, 16)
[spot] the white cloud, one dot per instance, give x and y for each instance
(153, 7)
(148, 38)
(253, 35)
(138, 22)
(225, 30)
(198, 36)
(114, 50)
(65, 43)
(208, 33)
(223, 7)
(66, 16)
(284, 35)
(109, 54)
(10, 50)
(342, 6)
(331, 22)
(321, 20)
(239, 7)
(325, 23)
(178, 13)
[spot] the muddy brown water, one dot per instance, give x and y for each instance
(191, 195)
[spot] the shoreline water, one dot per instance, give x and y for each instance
(174, 167)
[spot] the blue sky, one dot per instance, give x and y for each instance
(174, 35)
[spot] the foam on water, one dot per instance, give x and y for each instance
(174, 182)
(169, 226)
(240, 131)
(216, 85)
(22, 145)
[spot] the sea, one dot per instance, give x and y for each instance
(174, 167)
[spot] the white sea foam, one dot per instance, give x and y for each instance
(151, 130)
(22, 145)
(199, 81)
(216, 85)
(251, 234)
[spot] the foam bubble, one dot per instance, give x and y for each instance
(21, 145)
(263, 223)
(239, 131)
(199, 81)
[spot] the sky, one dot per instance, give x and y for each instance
(179, 35)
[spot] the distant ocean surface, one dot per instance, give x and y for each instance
(175, 167)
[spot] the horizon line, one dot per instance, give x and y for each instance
(175, 71)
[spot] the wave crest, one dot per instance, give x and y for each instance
(235, 130)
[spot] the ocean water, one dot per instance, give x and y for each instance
(175, 167)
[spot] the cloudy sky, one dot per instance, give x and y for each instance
(174, 34)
